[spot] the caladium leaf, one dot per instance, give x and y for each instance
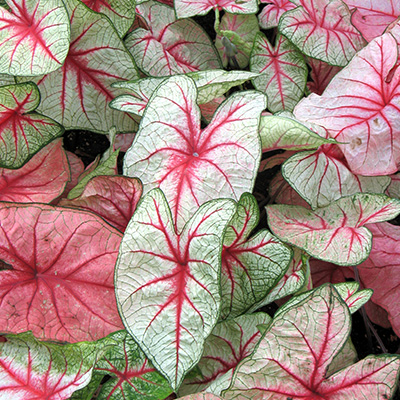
(272, 12)
(188, 8)
(251, 267)
(201, 396)
(55, 256)
(350, 294)
(283, 131)
(229, 343)
(23, 132)
(320, 326)
(77, 167)
(361, 110)
(114, 198)
(42, 179)
(167, 284)
(321, 177)
(283, 72)
(191, 165)
(77, 94)
(321, 74)
(322, 29)
(171, 47)
(210, 85)
(30, 369)
(120, 12)
(34, 37)
(132, 375)
(334, 233)
(245, 28)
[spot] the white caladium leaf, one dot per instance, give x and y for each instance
(167, 284)
(251, 267)
(321, 177)
(334, 233)
(245, 28)
(170, 46)
(77, 94)
(319, 326)
(34, 37)
(322, 29)
(283, 72)
(210, 85)
(188, 8)
(120, 12)
(229, 343)
(352, 296)
(272, 12)
(30, 369)
(23, 132)
(283, 131)
(189, 164)
(360, 109)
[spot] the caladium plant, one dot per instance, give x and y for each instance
(151, 277)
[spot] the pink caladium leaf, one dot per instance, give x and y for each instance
(319, 324)
(189, 164)
(335, 233)
(229, 343)
(251, 266)
(283, 72)
(30, 369)
(245, 27)
(321, 177)
(34, 37)
(76, 167)
(170, 46)
(42, 179)
(114, 198)
(321, 74)
(77, 95)
(120, 12)
(55, 255)
(201, 396)
(272, 12)
(167, 284)
(371, 18)
(360, 110)
(23, 132)
(188, 8)
(322, 29)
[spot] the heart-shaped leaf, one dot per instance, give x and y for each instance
(322, 29)
(251, 267)
(360, 109)
(350, 294)
(283, 72)
(312, 332)
(60, 280)
(189, 164)
(167, 285)
(22, 131)
(188, 8)
(334, 233)
(42, 179)
(272, 12)
(34, 37)
(30, 369)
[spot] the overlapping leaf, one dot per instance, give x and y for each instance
(191, 165)
(334, 233)
(311, 332)
(30, 369)
(188, 8)
(41, 179)
(58, 272)
(322, 29)
(170, 46)
(34, 37)
(167, 284)
(251, 267)
(77, 95)
(23, 132)
(283, 72)
(321, 74)
(360, 109)
(272, 12)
